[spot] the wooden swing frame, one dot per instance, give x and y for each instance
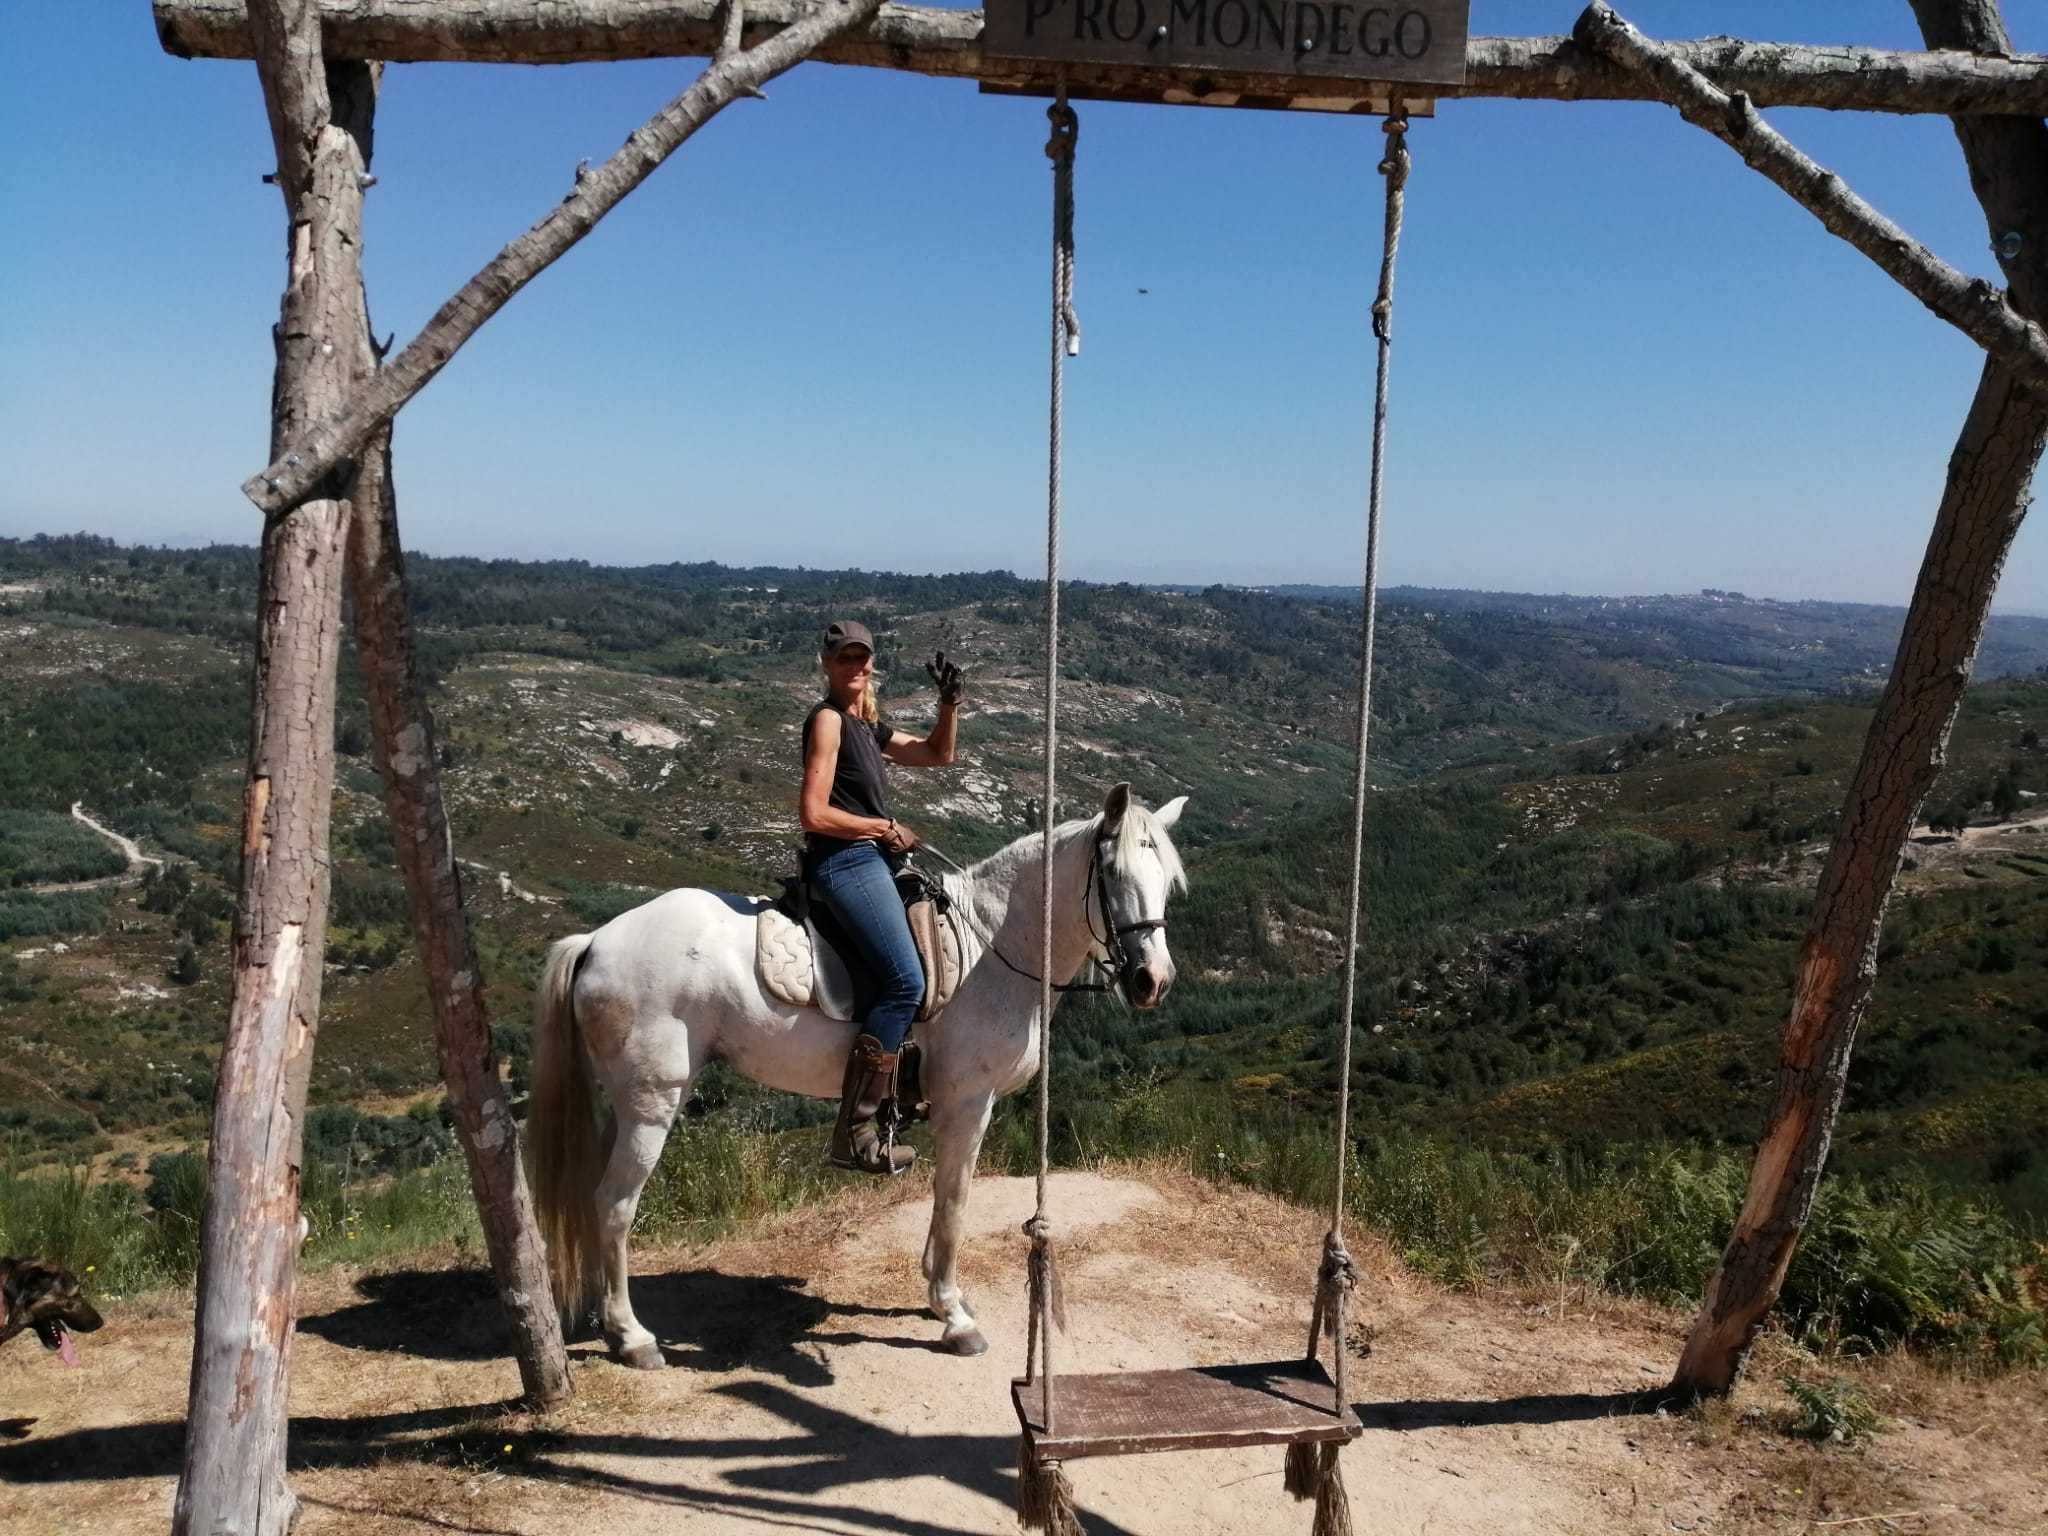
(330, 519)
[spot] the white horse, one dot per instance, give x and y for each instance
(643, 1003)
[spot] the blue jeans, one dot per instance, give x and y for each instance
(855, 882)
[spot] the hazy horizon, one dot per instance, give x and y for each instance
(2007, 610)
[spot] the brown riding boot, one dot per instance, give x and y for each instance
(856, 1140)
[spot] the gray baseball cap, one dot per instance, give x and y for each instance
(846, 632)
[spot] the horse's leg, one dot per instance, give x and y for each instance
(958, 1126)
(641, 1125)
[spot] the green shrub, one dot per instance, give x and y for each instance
(24, 914)
(38, 847)
(100, 1230)
(1833, 1411)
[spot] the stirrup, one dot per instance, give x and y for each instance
(875, 1153)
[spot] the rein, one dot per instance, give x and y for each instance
(1111, 941)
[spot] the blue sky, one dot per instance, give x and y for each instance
(1623, 361)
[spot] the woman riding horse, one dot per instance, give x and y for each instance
(852, 850)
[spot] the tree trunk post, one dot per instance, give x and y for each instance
(1990, 477)
(233, 1478)
(404, 731)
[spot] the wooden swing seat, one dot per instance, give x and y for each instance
(1126, 1413)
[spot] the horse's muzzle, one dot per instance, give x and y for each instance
(1146, 986)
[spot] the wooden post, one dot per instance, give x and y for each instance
(404, 731)
(234, 1469)
(1990, 476)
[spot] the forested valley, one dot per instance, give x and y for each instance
(1592, 839)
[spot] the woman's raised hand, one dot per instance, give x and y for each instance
(947, 678)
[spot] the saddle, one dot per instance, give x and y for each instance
(801, 952)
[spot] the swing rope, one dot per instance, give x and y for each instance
(1045, 1498)
(1311, 1471)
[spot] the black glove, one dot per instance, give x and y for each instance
(947, 678)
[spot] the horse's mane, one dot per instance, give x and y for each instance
(1138, 826)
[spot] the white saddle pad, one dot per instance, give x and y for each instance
(798, 967)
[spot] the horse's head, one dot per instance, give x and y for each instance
(1138, 869)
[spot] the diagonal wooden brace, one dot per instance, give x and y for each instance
(337, 439)
(1972, 305)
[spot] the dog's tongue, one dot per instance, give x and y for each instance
(68, 1351)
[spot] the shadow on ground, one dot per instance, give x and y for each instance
(1538, 1408)
(800, 1473)
(704, 1319)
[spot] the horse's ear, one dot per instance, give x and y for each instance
(1114, 804)
(1169, 813)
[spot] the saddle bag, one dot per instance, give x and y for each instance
(938, 942)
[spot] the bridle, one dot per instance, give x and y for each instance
(1111, 941)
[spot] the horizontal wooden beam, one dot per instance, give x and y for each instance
(928, 41)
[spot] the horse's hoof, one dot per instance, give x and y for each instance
(966, 1344)
(643, 1357)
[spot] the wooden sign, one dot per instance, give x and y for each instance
(1409, 40)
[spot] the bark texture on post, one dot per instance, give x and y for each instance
(1990, 476)
(339, 435)
(928, 40)
(234, 1468)
(404, 731)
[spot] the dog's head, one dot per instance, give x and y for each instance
(42, 1296)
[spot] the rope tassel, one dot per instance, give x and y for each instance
(1313, 1471)
(1333, 1505)
(1299, 1477)
(1045, 1499)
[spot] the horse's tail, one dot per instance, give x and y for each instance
(561, 1127)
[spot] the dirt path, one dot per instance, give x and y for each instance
(505, 885)
(806, 1396)
(138, 861)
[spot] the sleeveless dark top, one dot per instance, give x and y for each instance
(860, 779)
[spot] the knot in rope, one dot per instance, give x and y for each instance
(1066, 133)
(1046, 1292)
(1334, 1284)
(1393, 166)
(1339, 1272)
(1066, 129)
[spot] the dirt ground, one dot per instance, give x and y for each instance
(806, 1395)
